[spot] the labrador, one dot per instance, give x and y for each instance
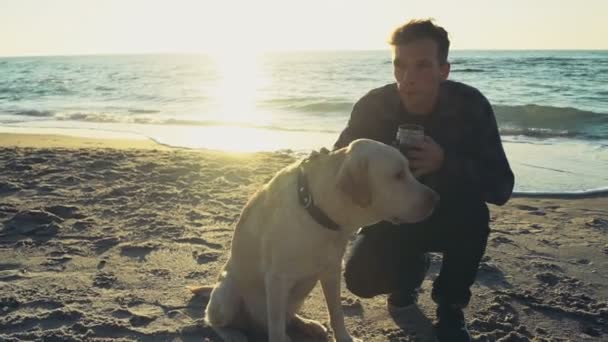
(294, 231)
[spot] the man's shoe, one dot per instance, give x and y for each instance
(451, 326)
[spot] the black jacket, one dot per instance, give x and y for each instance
(475, 169)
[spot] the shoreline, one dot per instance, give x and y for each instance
(44, 140)
(27, 140)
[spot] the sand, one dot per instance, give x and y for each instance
(99, 239)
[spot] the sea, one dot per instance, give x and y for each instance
(551, 106)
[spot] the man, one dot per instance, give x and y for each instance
(461, 157)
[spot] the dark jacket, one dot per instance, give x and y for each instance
(475, 169)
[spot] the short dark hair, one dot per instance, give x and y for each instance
(417, 29)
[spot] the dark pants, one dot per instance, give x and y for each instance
(386, 258)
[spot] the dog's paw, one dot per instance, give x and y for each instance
(308, 327)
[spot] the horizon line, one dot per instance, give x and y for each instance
(194, 53)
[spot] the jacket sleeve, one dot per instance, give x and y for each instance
(484, 171)
(363, 122)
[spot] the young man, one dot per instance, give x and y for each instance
(461, 157)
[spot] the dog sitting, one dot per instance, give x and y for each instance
(294, 231)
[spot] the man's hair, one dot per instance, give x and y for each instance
(418, 29)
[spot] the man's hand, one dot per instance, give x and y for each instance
(425, 157)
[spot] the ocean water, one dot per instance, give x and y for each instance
(551, 106)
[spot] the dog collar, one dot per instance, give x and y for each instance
(306, 200)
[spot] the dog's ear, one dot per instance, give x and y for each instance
(353, 180)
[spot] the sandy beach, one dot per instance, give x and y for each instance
(99, 239)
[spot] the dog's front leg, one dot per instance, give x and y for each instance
(330, 282)
(277, 291)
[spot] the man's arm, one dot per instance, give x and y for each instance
(486, 171)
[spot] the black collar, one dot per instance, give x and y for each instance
(306, 200)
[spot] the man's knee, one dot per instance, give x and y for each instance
(371, 264)
(358, 281)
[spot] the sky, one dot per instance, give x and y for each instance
(67, 27)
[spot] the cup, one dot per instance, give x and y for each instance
(409, 135)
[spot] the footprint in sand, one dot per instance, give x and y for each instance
(139, 314)
(17, 166)
(102, 245)
(8, 304)
(548, 278)
(352, 306)
(205, 257)
(57, 262)
(84, 224)
(489, 267)
(531, 210)
(546, 266)
(32, 222)
(7, 209)
(199, 241)
(41, 324)
(525, 207)
(10, 275)
(498, 320)
(139, 251)
(143, 314)
(8, 188)
(104, 280)
(33, 160)
(598, 223)
(65, 211)
(161, 273)
(197, 275)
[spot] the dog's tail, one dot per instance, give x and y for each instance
(201, 290)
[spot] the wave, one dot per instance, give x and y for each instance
(521, 120)
(33, 113)
(310, 105)
(471, 70)
(548, 121)
(16, 93)
(323, 107)
(536, 132)
(95, 117)
(104, 88)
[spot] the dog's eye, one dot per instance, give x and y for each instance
(400, 175)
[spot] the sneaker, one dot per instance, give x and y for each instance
(451, 325)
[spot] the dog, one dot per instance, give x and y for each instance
(294, 231)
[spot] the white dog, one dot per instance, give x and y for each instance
(294, 231)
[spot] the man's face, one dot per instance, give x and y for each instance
(418, 74)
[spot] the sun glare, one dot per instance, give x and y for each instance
(241, 79)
